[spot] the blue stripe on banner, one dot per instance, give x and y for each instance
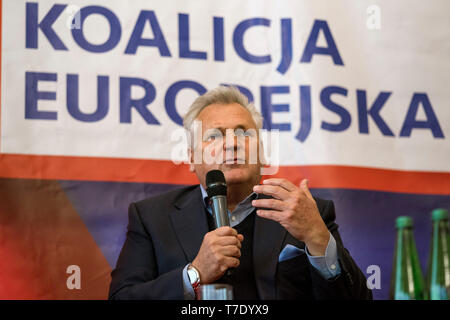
(366, 219)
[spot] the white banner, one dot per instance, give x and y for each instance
(346, 83)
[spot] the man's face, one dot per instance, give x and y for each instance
(230, 143)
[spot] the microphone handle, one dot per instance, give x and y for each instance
(220, 211)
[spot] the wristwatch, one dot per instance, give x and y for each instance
(194, 276)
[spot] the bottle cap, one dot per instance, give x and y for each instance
(439, 214)
(403, 222)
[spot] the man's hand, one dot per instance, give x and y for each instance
(220, 251)
(296, 210)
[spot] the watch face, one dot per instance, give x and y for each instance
(193, 276)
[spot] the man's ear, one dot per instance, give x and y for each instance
(269, 167)
(261, 153)
(191, 159)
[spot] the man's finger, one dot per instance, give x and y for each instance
(305, 189)
(232, 262)
(274, 191)
(269, 203)
(229, 240)
(231, 251)
(289, 186)
(269, 214)
(226, 231)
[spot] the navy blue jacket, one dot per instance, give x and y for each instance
(165, 233)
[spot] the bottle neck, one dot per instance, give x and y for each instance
(408, 282)
(438, 275)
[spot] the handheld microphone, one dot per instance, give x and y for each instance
(216, 188)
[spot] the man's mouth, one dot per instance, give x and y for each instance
(235, 161)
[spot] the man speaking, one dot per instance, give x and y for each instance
(282, 243)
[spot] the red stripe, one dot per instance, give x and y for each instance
(162, 171)
(347, 177)
(1, 49)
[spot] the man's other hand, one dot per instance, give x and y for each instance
(296, 210)
(220, 251)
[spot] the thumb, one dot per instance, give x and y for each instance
(305, 189)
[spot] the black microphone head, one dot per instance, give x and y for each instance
(215, 183)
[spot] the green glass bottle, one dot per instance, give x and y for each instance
(438, 275)
(407, 282)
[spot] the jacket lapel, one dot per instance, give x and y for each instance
(190, 222)
(267, 241)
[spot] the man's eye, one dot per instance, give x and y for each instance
(213, 136)
(242, 133)
(249, 133)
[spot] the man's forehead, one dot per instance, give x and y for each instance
(236, 116)
(213, 107)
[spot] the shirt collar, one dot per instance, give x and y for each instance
(244, 204)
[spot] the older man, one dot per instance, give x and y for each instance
(282, 244)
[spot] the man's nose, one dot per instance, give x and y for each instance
(230, 142)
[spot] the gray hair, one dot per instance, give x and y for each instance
(221, 95)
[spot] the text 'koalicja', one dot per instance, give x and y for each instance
(147, 18)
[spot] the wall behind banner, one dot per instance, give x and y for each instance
(92, 97)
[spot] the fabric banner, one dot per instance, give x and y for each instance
(353, 94)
